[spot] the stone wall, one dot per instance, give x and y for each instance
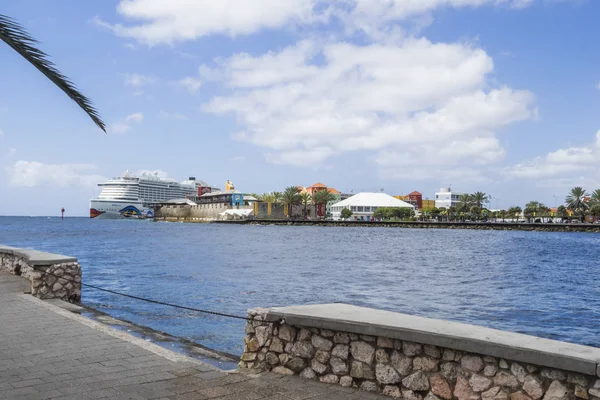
(52, 276)
(196, 213)
(502, 226)
(278, 211)
(418, 371)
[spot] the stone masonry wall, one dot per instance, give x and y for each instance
(402, 369)
(47, 281)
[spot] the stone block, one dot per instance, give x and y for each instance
(417, 381)
(472, 363)
(362, 351)
(440, 387)
(386, 374)
(341, 351)
(338, 366)
(385, 343)
(557, 391)
(321, 343)
(411, 349)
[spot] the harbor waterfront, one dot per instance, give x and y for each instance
(530, 282)
(357, 348)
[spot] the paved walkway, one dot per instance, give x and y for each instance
(47, 352)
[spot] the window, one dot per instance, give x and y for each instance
(353, 208)
(360, 209)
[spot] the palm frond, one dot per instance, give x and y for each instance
(13, 34)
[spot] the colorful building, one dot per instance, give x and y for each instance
(414, 198)
(338, 196)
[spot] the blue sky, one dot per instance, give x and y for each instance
(500, 96)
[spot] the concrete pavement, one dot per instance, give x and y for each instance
(47, 352)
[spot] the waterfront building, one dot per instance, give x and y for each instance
(428, 204)
(338, 196)
(225, 198)
(363, 205)
(446, 198)
(415, 198)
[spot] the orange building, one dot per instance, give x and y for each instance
(415, 198)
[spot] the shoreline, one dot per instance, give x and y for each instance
(502, 226)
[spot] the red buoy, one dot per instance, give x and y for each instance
(62, 213)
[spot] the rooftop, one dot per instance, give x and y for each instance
(373, 200)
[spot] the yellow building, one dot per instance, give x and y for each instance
(428, 204)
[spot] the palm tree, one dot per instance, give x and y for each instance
(514, 211)
(323, 196)
(268, 198)
(475, 213)
(276, 197)
(289, 197)
(576, 200)
(465, 202)
(479, 199)
(501, 214)
(306, 198)
(562, 212)
(595, 211)
(13, 34)
(595, 197)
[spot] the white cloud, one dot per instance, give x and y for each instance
(137, 80)
(410, 103)
(190, 83)
(135, 117)
(169, 21)
(33, 173)
(598, 86)
(11, 152)
(175, 116)
(563, 163)
(124, 125)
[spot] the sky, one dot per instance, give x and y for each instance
(499, 96)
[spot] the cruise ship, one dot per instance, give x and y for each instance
(131, 196)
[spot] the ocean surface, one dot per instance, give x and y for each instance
(539, 283)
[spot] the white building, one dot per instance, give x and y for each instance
(363, 205)
(446, 198)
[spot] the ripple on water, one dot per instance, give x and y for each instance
(531, 282)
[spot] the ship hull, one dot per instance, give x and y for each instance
(101, 209)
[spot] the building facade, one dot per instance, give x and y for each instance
(415, 198)
(446, 198)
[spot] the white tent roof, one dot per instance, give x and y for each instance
(372, 200)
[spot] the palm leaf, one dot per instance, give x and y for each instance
(16, 37)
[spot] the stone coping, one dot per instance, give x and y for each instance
(35, 257)
(454, 335)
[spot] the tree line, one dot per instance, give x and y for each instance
(578, 205)
(293, 195)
